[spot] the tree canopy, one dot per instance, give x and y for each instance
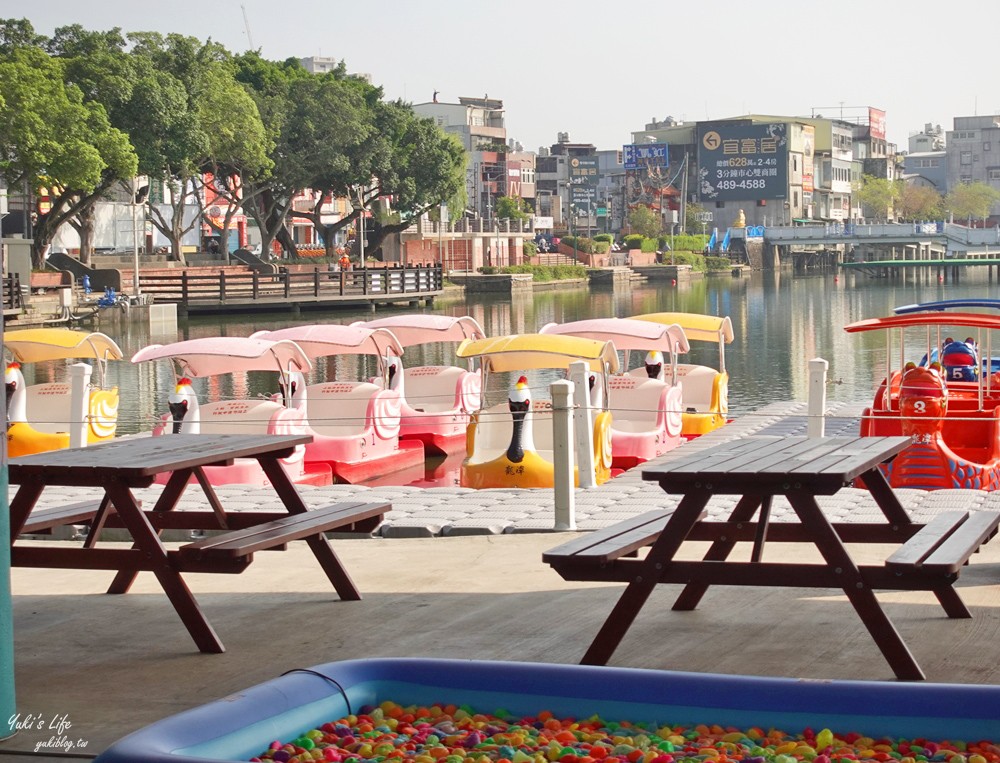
(645, 221)
(879, 195)
(82, 111)
(971, 201)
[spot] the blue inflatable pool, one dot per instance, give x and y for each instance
(242, 725)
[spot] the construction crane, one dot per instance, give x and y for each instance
(246, 23)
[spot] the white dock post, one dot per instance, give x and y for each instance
(562, 455)
(583, 419)
(79, 403)
(817, 397)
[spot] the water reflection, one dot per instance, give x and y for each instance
(780, 320)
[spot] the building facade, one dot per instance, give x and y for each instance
(973, 153)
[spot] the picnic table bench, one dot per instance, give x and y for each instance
(929, 557)
(119, 466)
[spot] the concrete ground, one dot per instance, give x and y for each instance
(113, 664)
(109, 665)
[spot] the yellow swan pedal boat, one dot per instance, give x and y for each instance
(39, 416)
(704, 390)
(510, 444)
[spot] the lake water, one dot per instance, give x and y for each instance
(780, 320)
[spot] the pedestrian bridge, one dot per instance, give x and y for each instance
(956, 240)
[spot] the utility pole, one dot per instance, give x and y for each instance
(684, 193)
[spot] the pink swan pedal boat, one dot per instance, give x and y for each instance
(39, 416)
(355, 424)
(704, 389)
(510, 444)
(437, 400)
(646, 409)
(219, 356)
(952, 413)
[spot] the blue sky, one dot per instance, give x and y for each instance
(599, 70)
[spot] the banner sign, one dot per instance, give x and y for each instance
(808, 149)
(876, 123)
(636, 155)
(742, 162)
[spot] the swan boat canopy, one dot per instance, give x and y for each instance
(39, 417)
(937, 390)
(511, 444)
(646, 408)
(436, 400)
(217, 356)
(704, 390)
(355, 424)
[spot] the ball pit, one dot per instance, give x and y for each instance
(821, 721)
(392, 733)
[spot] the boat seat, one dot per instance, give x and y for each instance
(433, 389)
(697, 384)
(238, 416)
(496, 425)
(48, 407)
(635, 402)
(340, 408)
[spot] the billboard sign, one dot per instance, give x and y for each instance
(808, 149)
(876, 123)
(583, 178)
(637, 155)
(742, 162)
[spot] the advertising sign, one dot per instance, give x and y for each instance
(636, 155)
(808, 149)
(876, 123)
(583, 177)
(742, 162)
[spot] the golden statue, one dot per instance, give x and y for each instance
(741, 220)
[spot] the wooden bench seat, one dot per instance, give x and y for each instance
(944, 545)
(584, 557)
(41, 520)
(275, 534)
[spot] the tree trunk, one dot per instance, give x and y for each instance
(86, 230)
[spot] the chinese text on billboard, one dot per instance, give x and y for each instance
(742, 162)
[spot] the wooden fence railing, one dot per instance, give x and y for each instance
(190, 287)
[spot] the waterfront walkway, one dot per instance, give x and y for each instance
(454, 511)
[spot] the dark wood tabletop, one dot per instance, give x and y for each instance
(762, 464)
(137, 461)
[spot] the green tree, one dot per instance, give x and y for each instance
(268, 199)
(972, 201)
(919, 202)
(98, 64)
(512, 208)
(692, 218)
(645, 221)
(878, 195)
(206, 123)
(425, 165)
(51, 138)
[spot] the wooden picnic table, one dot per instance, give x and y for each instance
(119, 466)
(758, 469)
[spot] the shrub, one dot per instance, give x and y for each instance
(604, 237)
(541, 273)
(690, 243)
(718, 263)
(529, 249)
(648, 245)
(633, 241)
